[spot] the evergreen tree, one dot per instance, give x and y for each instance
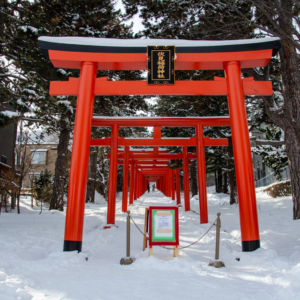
(279, 19)
(226, 19)
(188, 20)
(43, 187)
(274, 156)
(25, 21)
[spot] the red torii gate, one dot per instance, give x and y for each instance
(200, 141)
(92, 54)
(152, 164)
(142, 165)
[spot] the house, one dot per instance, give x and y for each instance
(41, 156)
(259, 168)
(37, 156)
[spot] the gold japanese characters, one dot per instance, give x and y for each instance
(161, 64)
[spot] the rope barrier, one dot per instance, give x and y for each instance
(180, 248)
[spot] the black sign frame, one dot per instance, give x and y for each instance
(161, 64)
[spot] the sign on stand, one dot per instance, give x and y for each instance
(163, 227)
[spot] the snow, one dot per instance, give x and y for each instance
(151, 118)
(39, 150)
(67, 104)
(33, 265)
(9, 114)
(30, 28)
(145, 42)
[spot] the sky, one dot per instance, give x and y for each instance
(137, 21)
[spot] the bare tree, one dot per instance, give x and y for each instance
(278, 18)
(92, 175)
(24, 165)
(8, 185)
(61, 164)
(281, 18)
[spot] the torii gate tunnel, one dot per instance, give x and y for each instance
(92, 54)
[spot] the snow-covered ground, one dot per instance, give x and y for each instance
(33, 265)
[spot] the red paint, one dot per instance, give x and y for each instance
(173, 184)
(80, 153)
(159, 142)
(112, 180)
(135, 182)
(201, 175)
(186, 181)
(183, 88)
(242, 153)
(178, 200)
(125, 180)
(138, 61)
(131, 189)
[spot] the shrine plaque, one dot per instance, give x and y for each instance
(161, 64)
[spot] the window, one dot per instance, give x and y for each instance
(32, 177)
(38, 156)
(3, 159)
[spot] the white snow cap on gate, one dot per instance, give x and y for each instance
(107, 45)
(108, 42)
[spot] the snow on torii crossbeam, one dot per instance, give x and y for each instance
(92, 54)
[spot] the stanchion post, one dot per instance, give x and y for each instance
(128, 235)
(218, 225)
(127, 260)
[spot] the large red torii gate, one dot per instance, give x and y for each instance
(92, 54)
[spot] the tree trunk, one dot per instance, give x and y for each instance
(219, 180)
(225, 187)
(119, 179)
(1, 202)
(193, 173)
(288, 118)
(231, 174)
(13, 200)
(19, 194)
(57, 201)
(216, 182)
(5, 203)
(181, 180)
(293, 153)
(18, 201)
(91, 184)
(3, 4)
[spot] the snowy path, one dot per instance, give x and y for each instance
(33, 266)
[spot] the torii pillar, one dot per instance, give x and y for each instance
(173, 185)
(112, 180)
(125, 179)
(131, 188)
(201, 175)
(178, 200)
(186, 181)
(242, 157)
(80, 158)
